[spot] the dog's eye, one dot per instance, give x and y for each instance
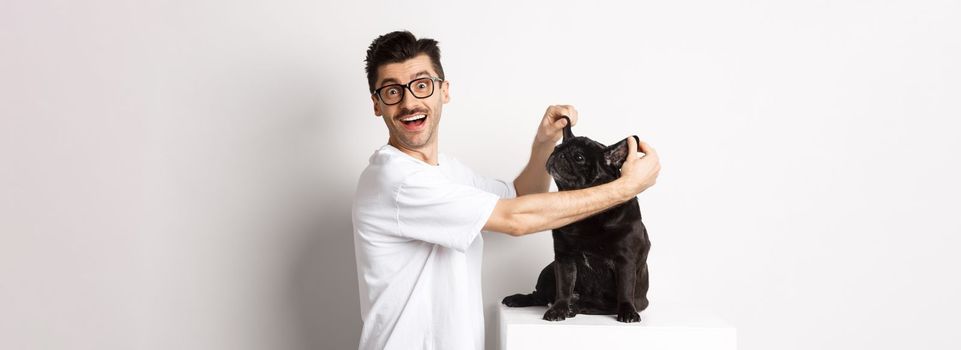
(579, 158)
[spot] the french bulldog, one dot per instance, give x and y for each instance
(600, 262)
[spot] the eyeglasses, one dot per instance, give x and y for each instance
(394, 93)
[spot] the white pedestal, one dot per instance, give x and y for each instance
(664, 327)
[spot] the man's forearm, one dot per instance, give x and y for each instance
(534, 178)
(544, 211)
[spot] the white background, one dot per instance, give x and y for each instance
(178, 174)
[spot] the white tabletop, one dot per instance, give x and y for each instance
(672, 327)
(654, 316)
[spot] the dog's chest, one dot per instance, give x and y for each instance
(589, 240)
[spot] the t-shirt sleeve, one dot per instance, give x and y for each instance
(501, 188)
(433, 209)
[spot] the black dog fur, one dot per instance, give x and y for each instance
(600, 262)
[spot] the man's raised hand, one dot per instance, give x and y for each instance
(552, 125)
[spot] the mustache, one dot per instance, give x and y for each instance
(406, 112)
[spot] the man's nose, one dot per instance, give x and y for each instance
(407, 99)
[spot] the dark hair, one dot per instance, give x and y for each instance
(397, 47)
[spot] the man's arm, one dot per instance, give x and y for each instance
(543, 211)
(534, 178)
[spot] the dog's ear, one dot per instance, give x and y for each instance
(568, 134)
(616, 154)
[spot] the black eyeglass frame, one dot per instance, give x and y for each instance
(407, 88)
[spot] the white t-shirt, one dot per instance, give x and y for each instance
(418, 247)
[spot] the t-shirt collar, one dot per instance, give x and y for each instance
(440, 156)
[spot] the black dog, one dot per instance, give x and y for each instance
(600, 262)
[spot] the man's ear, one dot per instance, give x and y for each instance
(377, 110)
(445, 91)
(616, 154)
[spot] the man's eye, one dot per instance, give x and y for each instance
(421, 85)
(393, 91)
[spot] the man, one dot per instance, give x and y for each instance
(418, 214)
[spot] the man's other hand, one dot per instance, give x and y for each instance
(640, 172)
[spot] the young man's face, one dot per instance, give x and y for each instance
(416, 134)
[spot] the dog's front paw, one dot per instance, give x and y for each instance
(626, 313)
(555, 314)
(559, 312)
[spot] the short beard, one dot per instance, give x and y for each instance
(407, 144)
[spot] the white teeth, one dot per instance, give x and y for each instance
(414, 117)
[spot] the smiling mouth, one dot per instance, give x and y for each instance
(415, 121)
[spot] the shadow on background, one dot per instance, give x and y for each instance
(324, 282)
(322, 287)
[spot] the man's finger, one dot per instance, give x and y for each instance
(561, 121)
(648, 150)
(631, 148)
(557, 111)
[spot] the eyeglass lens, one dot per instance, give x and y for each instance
(421, 88)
